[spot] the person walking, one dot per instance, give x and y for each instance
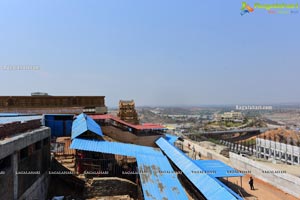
(194, 153)
(251, 183)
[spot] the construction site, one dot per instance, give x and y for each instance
(95, 155)
(149, 100)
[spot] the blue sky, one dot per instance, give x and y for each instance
(156, 52)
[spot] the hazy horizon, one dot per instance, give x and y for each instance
(155, 52)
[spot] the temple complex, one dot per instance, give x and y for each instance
(127, 112)
(53, 104)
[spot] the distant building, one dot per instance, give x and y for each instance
(41, 103)
(127, 112)
(230, 117)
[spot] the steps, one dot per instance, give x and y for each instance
(67, 161)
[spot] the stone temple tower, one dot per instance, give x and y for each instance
(127, 112)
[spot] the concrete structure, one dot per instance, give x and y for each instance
(268, 149)
(278, 178)
(53, 104)
(24, 161)
(241, 148)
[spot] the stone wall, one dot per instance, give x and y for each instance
(64, 184)
(53, 110)
(51, 104)
(50, 101)
(111, 186)
(18, 127)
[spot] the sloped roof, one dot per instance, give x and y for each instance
(220, 169)
(171, 138)
(206, 184)
(84, 123)
(113, 147)
(158, 180)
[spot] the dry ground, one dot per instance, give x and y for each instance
(263, 190)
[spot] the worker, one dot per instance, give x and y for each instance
(194, 153)
(199, 154)
(251, 183)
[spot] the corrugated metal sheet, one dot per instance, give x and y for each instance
(171, 138)
(68, 127)
(229, 190)
(220, 169)
(83, 123)
(206, 184)
(159, 180)
(157, 176)
(113, 147)
(10, 119)
(9, 114)
(60, 124)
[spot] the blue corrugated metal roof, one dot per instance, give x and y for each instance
(157, 176)
(8, 114)
(9, 119)
(206, 184)
(60, 124)
(83, 123)
(229, 190)
(171, 138)
(220, 168)
(158, 179)
(113, 147)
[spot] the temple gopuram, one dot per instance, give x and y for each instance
(127, 112)
(40, 104)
